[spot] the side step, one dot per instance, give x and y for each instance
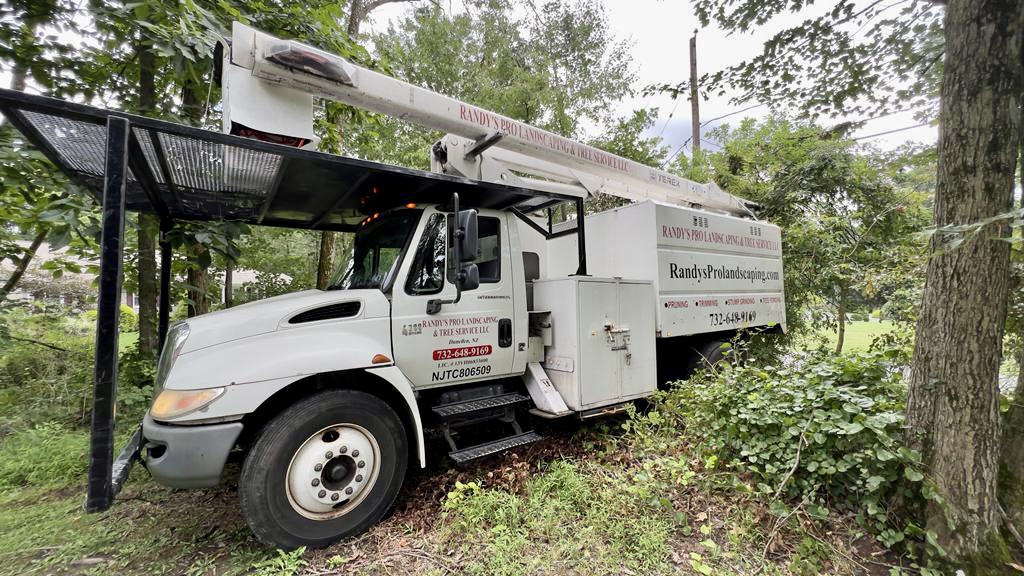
(457, 409)
(466, 455)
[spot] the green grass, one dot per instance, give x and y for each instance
(581, 517)
(127, 340)
(859, 335)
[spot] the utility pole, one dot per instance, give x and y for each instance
(694, 98)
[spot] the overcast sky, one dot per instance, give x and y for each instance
(659, 31)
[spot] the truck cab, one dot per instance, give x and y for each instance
(392, 327)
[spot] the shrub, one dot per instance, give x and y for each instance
(128, 321)
(46, 454)
(818, 431)
(46, 371)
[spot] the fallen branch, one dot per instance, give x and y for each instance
(37, 342)
(796, 463)
(1010, 527)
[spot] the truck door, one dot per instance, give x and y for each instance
(469, 340)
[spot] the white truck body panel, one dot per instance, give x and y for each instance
(603, 347)
(712, 272)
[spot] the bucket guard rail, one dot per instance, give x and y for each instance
(182, 173)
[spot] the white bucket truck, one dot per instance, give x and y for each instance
(448, 318)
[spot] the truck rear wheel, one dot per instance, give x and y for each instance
(328, 467)
(708, 355)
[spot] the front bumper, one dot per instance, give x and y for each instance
(188, 456)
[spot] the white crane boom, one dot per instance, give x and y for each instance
(297, 72)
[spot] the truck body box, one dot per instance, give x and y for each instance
(602, 348)
(711, 272)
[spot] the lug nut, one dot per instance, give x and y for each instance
(355, 453)
(330, 455)
(348, 490)
(343, 450)
(359, 477)
(316, 482)
(322, 493)
(335, 496)
(318, 467)
(361, 464)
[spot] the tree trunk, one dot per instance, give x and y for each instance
(197, 277)
(198, 283)
(841, 317)
(229, 273)
(148, 224)
(148, 340)
(355, 18)
(953, 400)
(19, 270)
(324, 263)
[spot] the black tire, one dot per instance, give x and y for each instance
(262, 487)
(708, 355)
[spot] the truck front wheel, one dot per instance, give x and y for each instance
(327, 467)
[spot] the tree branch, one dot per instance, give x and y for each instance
(37, 342)
(19, 270)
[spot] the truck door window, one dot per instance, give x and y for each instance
(488, 259)
(426, 276)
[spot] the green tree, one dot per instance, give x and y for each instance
(844, 224)
(628, 138)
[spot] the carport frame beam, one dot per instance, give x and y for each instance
(102, 489)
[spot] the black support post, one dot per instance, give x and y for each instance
(165, 285)
(100, 493)
(581, 238)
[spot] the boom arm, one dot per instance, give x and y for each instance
(523, 152)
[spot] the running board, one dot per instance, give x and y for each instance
(466, 455)
(459, 409)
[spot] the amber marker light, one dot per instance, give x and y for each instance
(380, 359)
(410, 205)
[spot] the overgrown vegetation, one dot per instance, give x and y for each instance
(820, 433)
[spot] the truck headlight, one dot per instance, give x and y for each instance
(173, 403)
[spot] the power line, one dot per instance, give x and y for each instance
(893, 131)
(740, 111)
(670, 114)
(676, 153)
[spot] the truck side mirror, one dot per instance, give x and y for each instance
(469, 277)
(465, 245)
(467, 236)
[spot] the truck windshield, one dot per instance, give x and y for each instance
(376, 252)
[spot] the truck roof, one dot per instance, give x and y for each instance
(184, 173)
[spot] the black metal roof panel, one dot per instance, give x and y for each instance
(186, 173)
